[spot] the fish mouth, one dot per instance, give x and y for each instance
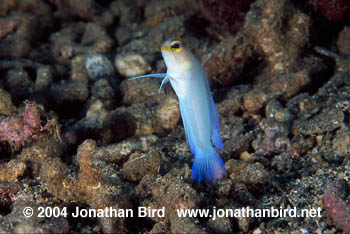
(165, 48)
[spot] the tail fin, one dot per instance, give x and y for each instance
(207, 166)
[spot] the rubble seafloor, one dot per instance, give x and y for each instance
(76, 133)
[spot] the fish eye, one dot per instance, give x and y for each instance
(176, 46)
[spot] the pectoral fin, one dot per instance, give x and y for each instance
(156, 75)
(164, 81)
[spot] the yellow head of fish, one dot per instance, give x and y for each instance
(176, 55)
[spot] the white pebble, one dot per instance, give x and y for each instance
(131, 65)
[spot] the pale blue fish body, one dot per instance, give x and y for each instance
(197, 107)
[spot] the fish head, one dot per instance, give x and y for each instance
(177, 56)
